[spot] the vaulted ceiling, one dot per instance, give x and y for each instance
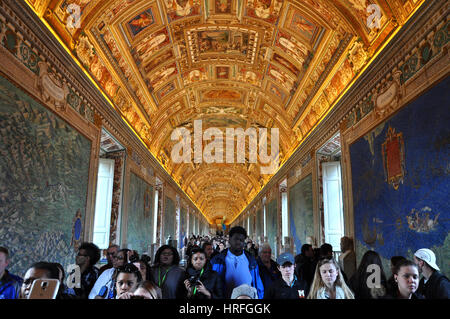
(230, 63)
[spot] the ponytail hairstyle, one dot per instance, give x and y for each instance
(318, 284)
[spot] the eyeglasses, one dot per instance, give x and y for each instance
(166, 254)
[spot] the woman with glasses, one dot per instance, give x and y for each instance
(167, 273)
(104, 286)
(328, 282)
(202, 282)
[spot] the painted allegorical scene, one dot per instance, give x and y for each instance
(284, 79)
(300, 25)
(221, 94)
(287, 64)
(268, 10)
(292, 47)
(156, 62)
(141, 22)
(178, 9)
(222, 72)
(276, 91)
(223, 41)
(222, 6)
(195, 75)
(157, 78)
(400, 181)
(150, 45)
(44, 175)
(166, 90)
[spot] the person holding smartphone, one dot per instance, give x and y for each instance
(41, 270)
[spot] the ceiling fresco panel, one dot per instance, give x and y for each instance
(232, 64)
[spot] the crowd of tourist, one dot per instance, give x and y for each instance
(233, 267)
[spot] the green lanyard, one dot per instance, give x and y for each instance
(164, 277)
(195, 288)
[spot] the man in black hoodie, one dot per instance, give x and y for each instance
(288, 286)
(433, 285)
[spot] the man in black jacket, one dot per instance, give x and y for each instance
(268, 270)
(288, 286)
(433, 285)
(88, 255)
(305, 265)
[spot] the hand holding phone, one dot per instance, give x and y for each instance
(44, 289)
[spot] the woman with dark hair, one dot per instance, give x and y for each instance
(167, 273)
(391, 286)
(66, 291)
(358, 282)
(201, 281)
(406, 278)
(144, 267)
(147, 290)
(126, 278)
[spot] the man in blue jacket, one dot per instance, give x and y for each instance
(236, 266)
(9, 283)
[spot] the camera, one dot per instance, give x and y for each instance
(134, 257)
(194, 281)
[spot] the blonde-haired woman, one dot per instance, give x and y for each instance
(328, 282)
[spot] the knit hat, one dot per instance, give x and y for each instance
(244, 290)
(427, 256)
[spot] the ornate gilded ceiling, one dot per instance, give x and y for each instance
(232, 64)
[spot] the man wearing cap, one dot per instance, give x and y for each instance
(433, 285)
(288, 286)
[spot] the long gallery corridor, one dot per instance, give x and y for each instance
(143, 123)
